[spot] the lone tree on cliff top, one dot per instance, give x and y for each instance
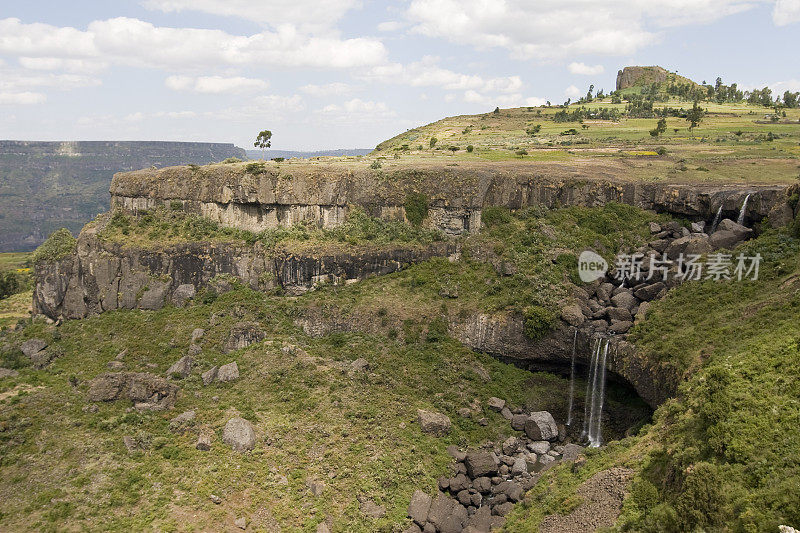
(263, 141)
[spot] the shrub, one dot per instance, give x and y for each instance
(231, 160)
(375, 165)
(521, 153)
(538, 321)
(470, 148)
(278, 159)
(495, 216)
(533, 130)
(255, 168)
(454, 149)
(661, 150)
(12, 282)
(416, 206)
(58, 245)
(433, 141)
(437, 330)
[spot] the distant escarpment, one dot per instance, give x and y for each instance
(260, 196)
(48, 185)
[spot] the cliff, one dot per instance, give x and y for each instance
(284, 194)
(48, 185)
(644, 76)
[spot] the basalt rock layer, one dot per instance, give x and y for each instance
(261, 197)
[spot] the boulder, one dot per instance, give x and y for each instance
(519, 467)
(540, 447)
(691, 244)
(780, 215)
(147, 391)
(619, 327)
(197, 334)
(518, 422)
(240, 522)
(204, 441)
(729, 225)
(698, 227)
(153, 298)
(194, 349)
(572, 315)
(541, 426)
(655, 227)
(210, 375)
(511, 489)
(506, 413)
(724, 239)
(182, 367)
(641, 314)
(496, 404)
(182, 294)
(648, 292)
(229, 372)
(181, 423)
(510, 445)
(624, 300)
(571, 452)
(419, 506)
(8, 373)
(359, 365)
(481, 463)
(618, 313)
(372, 510)
(239, 435)
(433, 422)
(32, 347)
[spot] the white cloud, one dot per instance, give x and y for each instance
(335, 88)
(21, 98)
(427, 73)
(390, 26)
(551, 28)
(503, 100)
(779, 87)
(786, 12)
(215, 84)
(83, 66)
(130, 41)
(572, 92)
(585, 70)
(360, 109)
(309, 15)
(20, 80)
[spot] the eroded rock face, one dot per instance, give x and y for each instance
(146, 391)
(101, 277)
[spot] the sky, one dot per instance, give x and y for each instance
(324, 74)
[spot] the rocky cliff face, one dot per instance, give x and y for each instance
(102, 277)
(48, 185)
(285, 195)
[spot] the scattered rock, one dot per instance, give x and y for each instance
(650, 292)
(322, 527)
(573, 315)
(496, 404)
(32, 347)
(372, 509)
(240, 522)
(434, 423)
(229, 372)
(239, 435)
(8, 373)
(130, 443)
(210, 375)
(518, 421)
(181, 368)
(655, 227)
(194, 350)
(204, 441)
(506, 413)
(464, 412)
(316, 487)
(181, 423)
(419, 507)
(147, 391)
(481, 464)
(539, 447)
(116, 365)
(620, 326)
(215, 499)
(197, 334)
(571, 452)
(625, 300)
(359, 365)
(541, 426)
(183, 294)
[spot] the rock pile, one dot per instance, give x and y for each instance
(610, 306)
(146, 391)
(486, 483)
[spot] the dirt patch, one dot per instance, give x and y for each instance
(22, 387)
(602, 496)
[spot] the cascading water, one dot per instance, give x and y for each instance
(595, 394)
(716, 220)
(742, 211)
(572, 378)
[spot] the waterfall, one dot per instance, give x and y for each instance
(740, 220)
(716, 219)
(595, 394)
(572, 378)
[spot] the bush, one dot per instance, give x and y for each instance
(661, 150)
(375, 165)
(470, 148)
(521, 153)
(58, 245)
(12, 282)
(433, 141)
(416, 206)
(231, 160)
(255, 168)
(538, 321)
(495, 216)
(278, 159)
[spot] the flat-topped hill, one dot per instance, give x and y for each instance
(636, 76)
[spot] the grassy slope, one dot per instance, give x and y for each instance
(713, 152)
(724, 455)
(16, 306)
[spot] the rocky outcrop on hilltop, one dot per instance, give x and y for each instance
(645, 76)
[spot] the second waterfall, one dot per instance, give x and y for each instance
(595, 393)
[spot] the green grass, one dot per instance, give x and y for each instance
(58, 245)
(314, 420)
(723, 455)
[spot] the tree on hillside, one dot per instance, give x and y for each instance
(695, 116)
(660, 128)
(263, 140)
(790, 99)
(433, 141)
